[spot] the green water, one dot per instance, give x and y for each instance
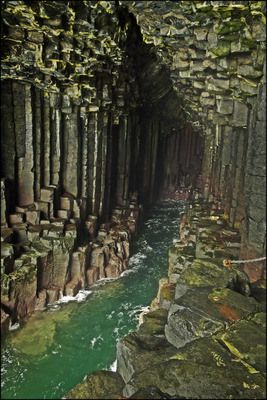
(57, 348)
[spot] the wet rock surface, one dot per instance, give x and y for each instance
(100, 385)
(210, 341)
(108, 105)
(39, 270)
(202, 312)
(183, 376)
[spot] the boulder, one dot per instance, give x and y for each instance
(201, 312)
(99, 385)
(246, 340)
(139, 350)
(133, 354)
(152, 392)
(210, 272)
(203, 369)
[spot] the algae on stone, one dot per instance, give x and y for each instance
(99, 385)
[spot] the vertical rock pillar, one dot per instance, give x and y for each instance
(103, 160)
(55, 137)
(46, 139)
(70, 168)
(123, 162)
(84, 152)
(92, 160)
(24, 141)
(3, 203)
(37, 142)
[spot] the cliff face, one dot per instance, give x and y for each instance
(81, 106)
(104, 102)
(215, 54)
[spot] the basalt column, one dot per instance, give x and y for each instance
(123, 161)
(215, 53)
(23, 133)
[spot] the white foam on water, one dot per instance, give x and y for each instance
(139, 310)
(14, 327)
(127, 272)
(137, 258)
(110, 316)
(144, 311)
(80, 296)
(102, 281)
(95, 341)
(116, 331)
(113, 366)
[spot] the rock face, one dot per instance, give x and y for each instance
(110, 105)
(80, 150)
(217, 66)
(153, 91)
(100, 385)
(209, 341)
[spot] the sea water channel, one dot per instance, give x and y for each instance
(57, 348)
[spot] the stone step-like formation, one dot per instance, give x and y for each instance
(46, 263)
(204, 335)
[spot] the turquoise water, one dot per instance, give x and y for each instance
(59, 347)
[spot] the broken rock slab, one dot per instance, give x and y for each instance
(99, 385)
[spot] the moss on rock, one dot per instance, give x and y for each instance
(99, 385)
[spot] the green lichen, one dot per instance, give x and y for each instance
(230, 27)
(218, 359)
(239, 356)
(179, 357)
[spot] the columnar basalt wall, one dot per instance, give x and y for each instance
(215, 51)
(106, 105)
(82, 135)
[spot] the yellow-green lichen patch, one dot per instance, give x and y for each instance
(247, 342)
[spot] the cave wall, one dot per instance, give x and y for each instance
(107, 104)
(215, 51)
(80, 115)
(85, 129)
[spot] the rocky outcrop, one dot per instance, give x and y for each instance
(108, 105)
(211, 323)
(100, 385)
(207, 340)
(45, 266)
(79, 149)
